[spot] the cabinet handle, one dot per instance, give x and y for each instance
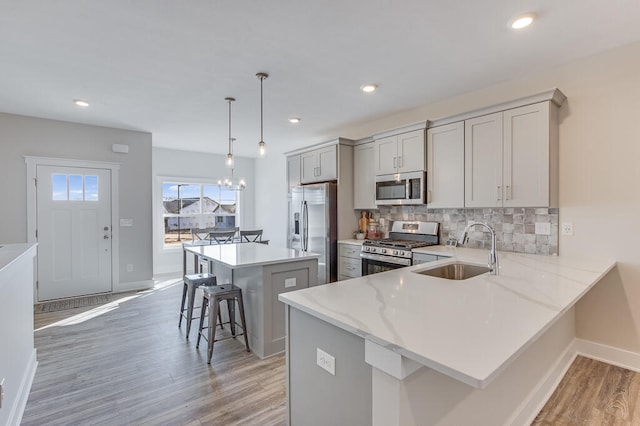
(508, 195)
(428, 196)
(400, 161)
(394, 162)
(499, 193)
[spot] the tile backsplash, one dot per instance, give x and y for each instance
(515, 227)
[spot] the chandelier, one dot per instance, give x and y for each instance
(228, 182)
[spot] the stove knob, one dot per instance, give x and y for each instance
(395, 252)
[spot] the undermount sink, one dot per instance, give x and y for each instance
(455, 271)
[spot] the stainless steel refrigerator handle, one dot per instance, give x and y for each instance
(305, 226)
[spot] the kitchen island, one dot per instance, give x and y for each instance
(262, 272)
(414, 349)
(17, 351)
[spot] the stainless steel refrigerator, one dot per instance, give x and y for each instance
(313, 225)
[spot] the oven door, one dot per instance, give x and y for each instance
(372, 263)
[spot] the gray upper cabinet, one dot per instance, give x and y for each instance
(293, 171)
(511, 158)
(364, 185)
(445, 166)
(319, 165)
(400, 153)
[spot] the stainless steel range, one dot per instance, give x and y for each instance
(395, 252)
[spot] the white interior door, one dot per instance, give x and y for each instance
(74, 231)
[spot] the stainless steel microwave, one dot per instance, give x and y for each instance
(401, 188)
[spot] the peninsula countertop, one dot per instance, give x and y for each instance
(242, 255)
(469, 330)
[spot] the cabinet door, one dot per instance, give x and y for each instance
(364, 177)
(526, 156)
(327, 163)
(293, 171)
(445, 166)
(309, 167)
(411, 152)
(386, 155)
(483, 161)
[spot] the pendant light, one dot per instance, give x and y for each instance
(262, 146)
(228, 182)
(229, 162)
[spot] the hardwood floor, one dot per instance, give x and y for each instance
(593, 393)
(128, 363)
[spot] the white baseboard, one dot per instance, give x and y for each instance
(132, 285)
(15, 416)
(547, 385)
(530, 408)
(609, 354)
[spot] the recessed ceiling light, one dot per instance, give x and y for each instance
(523, 21)
(368, 88)
(81, 103)
(294, 120)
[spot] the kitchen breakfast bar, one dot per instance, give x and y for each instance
(406, 348)
(262, 272)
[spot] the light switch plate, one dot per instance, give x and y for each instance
(289, 282)
(326, 361)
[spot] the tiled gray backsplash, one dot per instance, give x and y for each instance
(515, 227)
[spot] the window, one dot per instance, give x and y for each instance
(196, 205)
(74, 187)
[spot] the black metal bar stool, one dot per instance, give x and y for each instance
(191, 283)
(212, 298)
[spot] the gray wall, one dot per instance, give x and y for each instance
(20, 136)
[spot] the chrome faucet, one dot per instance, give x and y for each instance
(493, 255)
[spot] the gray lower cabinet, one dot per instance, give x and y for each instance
(349, 265)
(261, 285)
(317, 397)
(418, 258)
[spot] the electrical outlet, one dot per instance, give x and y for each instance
(326, 361)
(290, 282)
(129, 267)
(567, 228)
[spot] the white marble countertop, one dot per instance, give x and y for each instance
(10, 252)
(244, 255)
(469, 330)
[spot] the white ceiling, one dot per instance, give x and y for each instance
(165, 67)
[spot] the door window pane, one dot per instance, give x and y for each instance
(59, 187)
(91, 188)
(76, 192)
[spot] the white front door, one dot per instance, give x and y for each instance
(74, 231)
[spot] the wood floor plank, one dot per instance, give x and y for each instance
(593, 393)
(127, 363)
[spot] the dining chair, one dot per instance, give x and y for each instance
(201, 234)
(251, 236)
(222, 237)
